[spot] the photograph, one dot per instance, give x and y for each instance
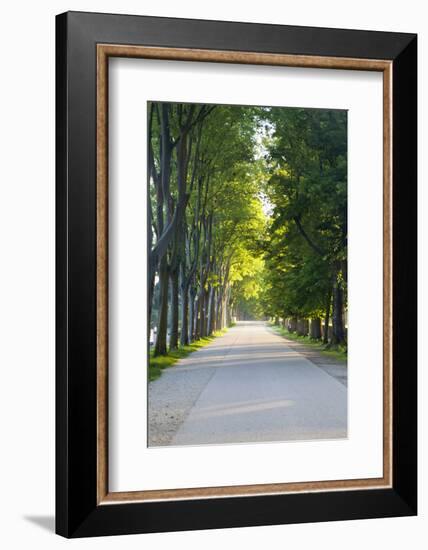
(213, 263)
(248, 281)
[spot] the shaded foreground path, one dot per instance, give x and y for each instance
(246, 386)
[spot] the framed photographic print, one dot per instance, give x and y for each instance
(236, 274)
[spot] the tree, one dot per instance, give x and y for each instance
(197, 156)
(307, 156)
(171, 129)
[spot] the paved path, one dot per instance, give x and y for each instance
(337, 368)
(247, 386)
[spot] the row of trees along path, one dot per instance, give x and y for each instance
(247, 217)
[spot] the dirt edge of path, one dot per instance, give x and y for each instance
(333, 367)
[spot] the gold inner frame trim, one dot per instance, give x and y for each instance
(104, 51)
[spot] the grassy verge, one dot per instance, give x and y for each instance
(339, 354)
(157, 364)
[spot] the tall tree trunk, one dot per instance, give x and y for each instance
(292, 324)
(228, 307)
(184, 334)
(196, 315)
(213, 311)
(173, 342)
(302, 327)
(151, 293)
(220, 310)
(197, 320)
(338, 336)
(160, 346)
(327, 318)
(162, 181)
(202, 307)
(215, 314)
(316, 328)
(191, 314)
(225, 308)
(210, 316)
(206, 312)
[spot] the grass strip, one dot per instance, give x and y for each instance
(317, 345)
(161, 362)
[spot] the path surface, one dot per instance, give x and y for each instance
(331, 365)
(248, 385)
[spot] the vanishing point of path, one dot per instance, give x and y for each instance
(248, 385)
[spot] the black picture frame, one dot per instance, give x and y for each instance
(77, 511)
